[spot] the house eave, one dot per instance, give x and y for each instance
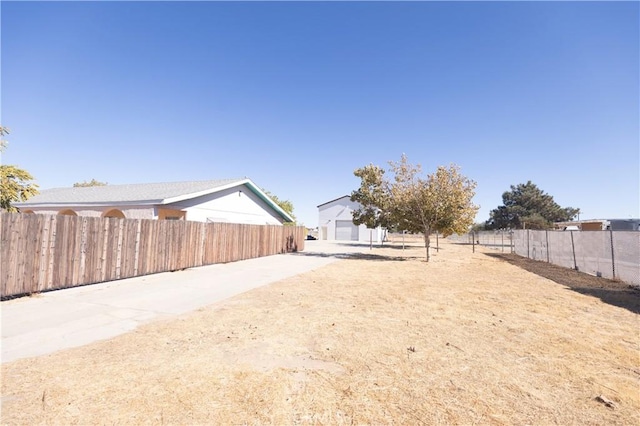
(137, 203)
(246, 182)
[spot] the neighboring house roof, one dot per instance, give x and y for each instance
(142, 194)
(339, 198)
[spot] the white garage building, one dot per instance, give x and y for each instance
(335, 222)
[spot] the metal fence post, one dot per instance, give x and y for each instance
(546, 231)
(513, 244)
(573, 249)
(613, 259)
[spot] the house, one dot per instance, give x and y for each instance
(601, 225)
(226, 200)
(335, 222)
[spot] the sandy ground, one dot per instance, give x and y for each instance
(381, 338)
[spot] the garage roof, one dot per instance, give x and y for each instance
(339, 198)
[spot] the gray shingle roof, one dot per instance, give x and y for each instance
(133, 193)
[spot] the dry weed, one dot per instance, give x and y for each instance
(464, 339)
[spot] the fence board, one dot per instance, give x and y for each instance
(128, 255)
(9, 252)
(93, 250)
(62, 254)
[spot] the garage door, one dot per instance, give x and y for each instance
(346, 230)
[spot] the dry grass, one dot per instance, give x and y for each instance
(465, 339)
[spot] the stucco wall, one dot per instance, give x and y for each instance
(235, 205)
(342, 209)
(142, 212)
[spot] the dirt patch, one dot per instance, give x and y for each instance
(464, 339)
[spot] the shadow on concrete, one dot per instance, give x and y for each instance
(615, 293)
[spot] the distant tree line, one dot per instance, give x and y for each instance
(86, 184)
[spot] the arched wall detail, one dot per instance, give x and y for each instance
(113, 213)
(67, 212)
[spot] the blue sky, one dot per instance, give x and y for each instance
(296, 95)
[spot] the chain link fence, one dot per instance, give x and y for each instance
(500, 240)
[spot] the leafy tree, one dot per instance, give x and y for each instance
(453, 207)
(440, 202)
(373, 197)
(3, 143)
(15, 183)
(526, 205)
(285, 205)
(15, 186)
(85, 184)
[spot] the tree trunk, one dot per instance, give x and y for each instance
(426, 242)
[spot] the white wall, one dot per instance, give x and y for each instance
(342, 209)
(234, 205)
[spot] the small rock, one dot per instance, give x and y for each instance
(606, 401)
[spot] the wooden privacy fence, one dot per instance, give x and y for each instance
(42, 252)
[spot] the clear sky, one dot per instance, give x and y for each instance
(296, 95)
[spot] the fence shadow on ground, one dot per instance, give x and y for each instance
(357, 256)
(391, 245)
(432, 247)
(612, 292)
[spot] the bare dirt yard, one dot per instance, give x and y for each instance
(382, 338)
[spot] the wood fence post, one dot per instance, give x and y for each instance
(43, 251)
(119, 247)
(83, 250)
(52, 250)
(136, 253)
(105, 245)
(203, 239)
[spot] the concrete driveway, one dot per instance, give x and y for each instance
(56, 320)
